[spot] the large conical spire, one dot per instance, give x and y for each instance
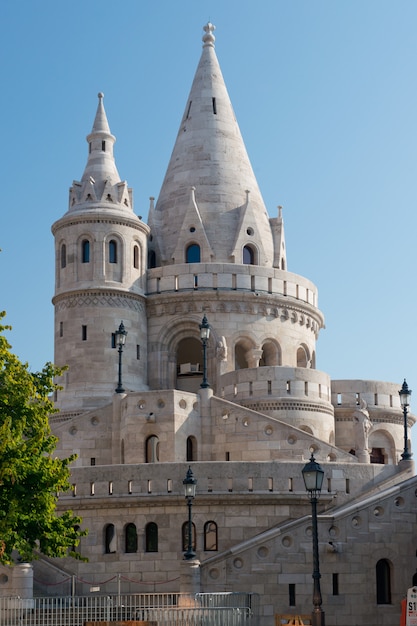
(210, 156)
(100, 181)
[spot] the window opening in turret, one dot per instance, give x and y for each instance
(184, 533)
(377, 456)
(335, 584)
(191, 449)
(192, 253)
(291, 594)
(136, 257)
(85, 251)
(151, 537)
(63, 256)
(210, 536)
(152, 449)
(109, 539)
(248, 255)
(84, 332)
(112, 251)
(213, 100)
(383, 582)
(151, 259)
(103, 146)
(131, 539)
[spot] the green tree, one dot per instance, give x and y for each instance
(31, 476)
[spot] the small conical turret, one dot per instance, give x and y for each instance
(100, 182)
(210, 156)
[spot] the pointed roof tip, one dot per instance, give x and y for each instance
(100, 122)
(209, 38)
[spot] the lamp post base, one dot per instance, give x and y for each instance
(317, 618)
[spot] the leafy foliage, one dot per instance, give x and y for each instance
(31, 477)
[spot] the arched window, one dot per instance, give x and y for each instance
(151, 537)
(85, 251)
(191, 449)
(383, 582)
(185, 537)
(302, 357)
(63, 255)
(109, 539)
(151, 259)
(136, 257)
(248, 256)
(152, 449)
(210, 536)
(131, 538)
(192, 253)
(112, 251)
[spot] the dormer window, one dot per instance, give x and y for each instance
(192, 253)
(248, 255)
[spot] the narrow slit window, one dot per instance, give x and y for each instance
(213, 100)
(335, 584)
(291, 594)
(136, 257)
(112, 251)
(61, 329)
(138, 352)
(63, 256)
(84, 332)
(85, 251)
(189, 109)
(103, 146)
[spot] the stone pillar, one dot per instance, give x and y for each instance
(23, 580)
(190, 576)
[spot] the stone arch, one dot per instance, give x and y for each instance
(303, 356)
(244, 345)
(172, 334)
(271, 353)
(382, 446)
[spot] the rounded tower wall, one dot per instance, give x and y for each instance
(85, 325)
(377, 405)
(297, 396)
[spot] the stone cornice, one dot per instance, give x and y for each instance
(85, 218)
(230, 301)
(100, 298)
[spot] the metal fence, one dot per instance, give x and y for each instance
(203, 609)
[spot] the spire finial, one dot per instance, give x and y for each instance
(209, 38)
(100, 95)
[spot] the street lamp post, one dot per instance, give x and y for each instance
(405, 394)
(313, 479)
(120, 342)
(189, 483)
(204, 336)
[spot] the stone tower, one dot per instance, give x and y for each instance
(100, 256)
(211, 250)
(215, 251)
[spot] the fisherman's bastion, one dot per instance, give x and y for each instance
(191, 351)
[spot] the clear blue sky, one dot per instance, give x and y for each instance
(325, 93)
